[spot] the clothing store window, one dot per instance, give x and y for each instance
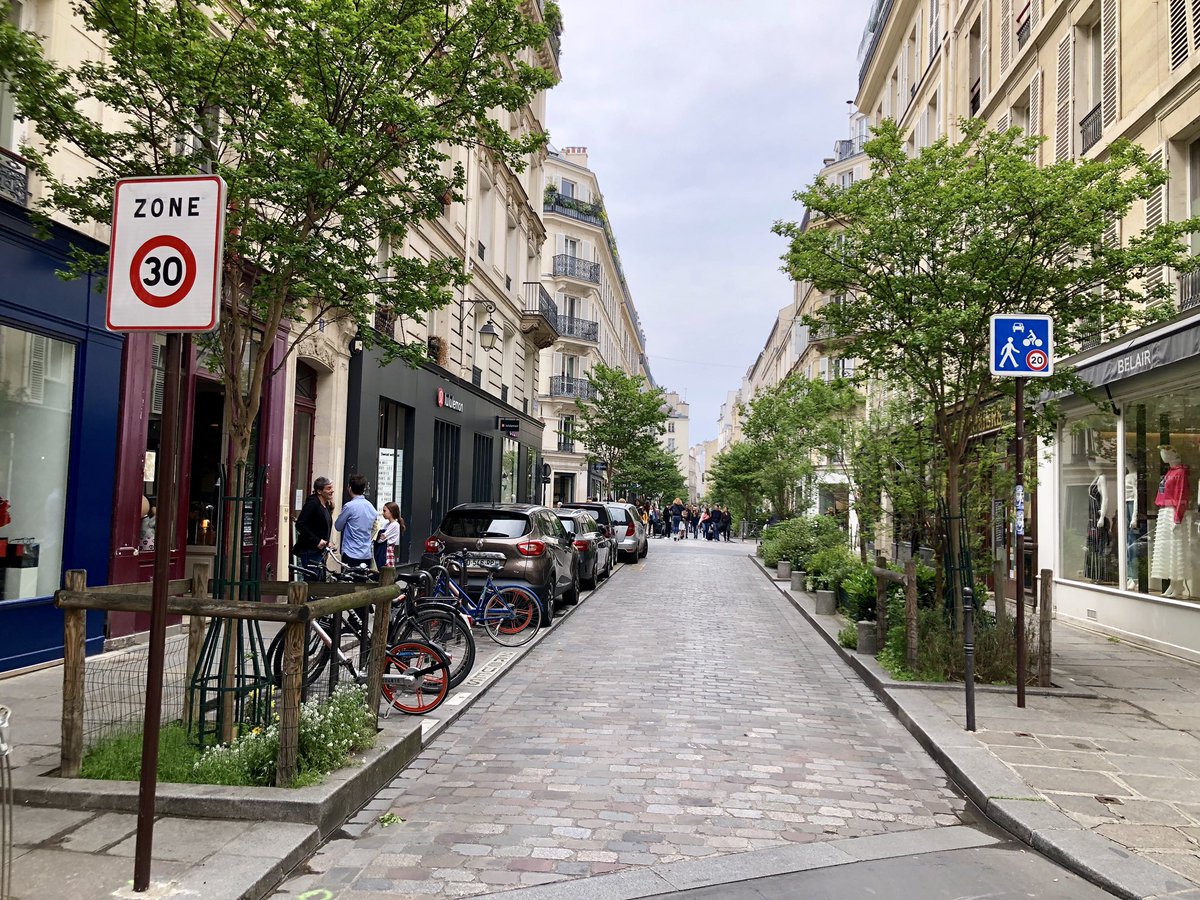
(1089, 499)
(37, 378)
(1162, 449)
(508, 472)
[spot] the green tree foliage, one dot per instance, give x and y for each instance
(794, 424)
(734, 480)
(330, 121)
(620, 425)
(654, 474)
(929, 247)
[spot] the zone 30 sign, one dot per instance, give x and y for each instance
(164, 265)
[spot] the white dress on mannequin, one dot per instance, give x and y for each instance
(1171, 559)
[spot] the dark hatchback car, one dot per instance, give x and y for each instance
(621, 523)
(534, 545)
(593, 543)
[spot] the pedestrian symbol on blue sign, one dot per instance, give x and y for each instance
(1022, 345)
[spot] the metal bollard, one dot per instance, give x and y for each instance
(969, 653)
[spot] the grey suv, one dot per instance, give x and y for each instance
(536, 548)
(624, 524)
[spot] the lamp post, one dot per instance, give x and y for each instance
(488, 334)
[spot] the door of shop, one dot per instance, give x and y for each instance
(564, 488)
(303, 432)
(445, 471)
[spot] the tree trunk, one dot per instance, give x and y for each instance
(955, 537)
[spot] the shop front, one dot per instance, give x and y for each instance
(59, 376)
(429, 441)
(1123, 474)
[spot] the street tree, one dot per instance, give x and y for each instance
(330, 121)
(654, 473)
(795, 423)
(619, 425)
(734, 479)
(923, 252)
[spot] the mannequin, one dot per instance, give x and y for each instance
(1171, 539)
(1134, 545)
(1100, 564)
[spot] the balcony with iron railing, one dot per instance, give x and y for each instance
(539, 317)
(976, 96)
(1023, 32)
(579, 329)
(851, 147)
(566, 444)
(14, 178)
(576, 388)
(1090, 129)
(567, 266)
(592, 213)
(1189, 290)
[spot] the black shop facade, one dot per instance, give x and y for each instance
(428, 441)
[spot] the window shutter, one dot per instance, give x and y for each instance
(1108, 61)
(1063, 130)
(934, 26)
(1002, 123)
(1179, 33)
(1156, 214)
(1035, 112)
(1035, 14)
(1196, 23)
(985, 29)
(917, 49)
(1005, 34)
(36, 374)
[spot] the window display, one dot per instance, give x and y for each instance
(1089, 495)
(37, 376)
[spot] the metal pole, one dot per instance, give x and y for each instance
(164, 540)
(1019, 542)
(969, 653)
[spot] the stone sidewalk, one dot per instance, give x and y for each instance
(1101, 772)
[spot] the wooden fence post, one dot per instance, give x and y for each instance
(295, 634)
(881, 589)
(379, 646)
(1044, 629)
(910, 615)
(196, 627)
(74, 654)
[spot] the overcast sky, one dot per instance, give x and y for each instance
(701, 117)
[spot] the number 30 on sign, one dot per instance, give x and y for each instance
(164, 270)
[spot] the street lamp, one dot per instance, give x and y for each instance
(488, 335)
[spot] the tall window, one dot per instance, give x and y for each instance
(8, 123)
(567, 188)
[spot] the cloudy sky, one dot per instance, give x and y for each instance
(701, 117)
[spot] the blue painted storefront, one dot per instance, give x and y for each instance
(33, 298)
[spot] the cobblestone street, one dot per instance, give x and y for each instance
(685, 711)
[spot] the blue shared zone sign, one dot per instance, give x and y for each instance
(1022, 345)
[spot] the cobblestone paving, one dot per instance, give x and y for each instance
(685, 711)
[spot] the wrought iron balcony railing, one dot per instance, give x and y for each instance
(1189, 290)
(566, 386)
(574, 267)
(14, 178)
(566, 445)
(580, 329)
(1023, 32)
(976, 96)
(1090, 129)
(592, 213)
(539, 302)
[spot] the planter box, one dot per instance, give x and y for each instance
(826, 603)
(783, 571)
(866, 639)
(797, 581)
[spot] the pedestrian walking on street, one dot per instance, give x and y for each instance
(387, 541)
(355, 523)
(676, 519)
(313, 527)
(726, 522)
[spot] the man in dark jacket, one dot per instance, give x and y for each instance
(313, 526)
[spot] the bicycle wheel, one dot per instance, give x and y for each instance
(512, 616)
(443, 627)
(416, 677)
(318, 658)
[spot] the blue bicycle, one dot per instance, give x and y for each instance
(510, 614)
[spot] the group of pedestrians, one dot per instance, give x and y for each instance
(368, 535)
(681, 520)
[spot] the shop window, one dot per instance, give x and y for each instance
(508, 472)
(1089, 499)
(1162, 449)
(36, 380)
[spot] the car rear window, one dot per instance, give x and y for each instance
(618, 514)
(478, 523)
(568, 523)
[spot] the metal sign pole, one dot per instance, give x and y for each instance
(1019, 541)
(168, 489)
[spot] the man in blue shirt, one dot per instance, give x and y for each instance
(355, 522)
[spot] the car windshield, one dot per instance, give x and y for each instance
(483, 523)
(568, 523)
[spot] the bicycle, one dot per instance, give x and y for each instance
(416, 677)
(511, 615)
(341, 574)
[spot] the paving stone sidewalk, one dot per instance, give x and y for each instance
(686, 712)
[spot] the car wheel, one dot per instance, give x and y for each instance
(571, 595)
(590, 583)
(645, 550)
(548, 606)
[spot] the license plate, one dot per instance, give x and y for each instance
(484, 560)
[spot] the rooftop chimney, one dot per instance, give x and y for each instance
(577, 155)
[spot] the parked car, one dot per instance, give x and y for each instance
(592, 542)
(536, 549)
(624, 525)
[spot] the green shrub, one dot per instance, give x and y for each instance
(798, 539)
(940, 650)
(848, 636)
(858, 594)
(830, 566)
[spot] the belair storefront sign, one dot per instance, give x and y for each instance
(447, 401)
(1142, 354)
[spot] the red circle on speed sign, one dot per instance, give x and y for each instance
(161, 273)
(1036, 360)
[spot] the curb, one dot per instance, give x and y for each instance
(1000, 795)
